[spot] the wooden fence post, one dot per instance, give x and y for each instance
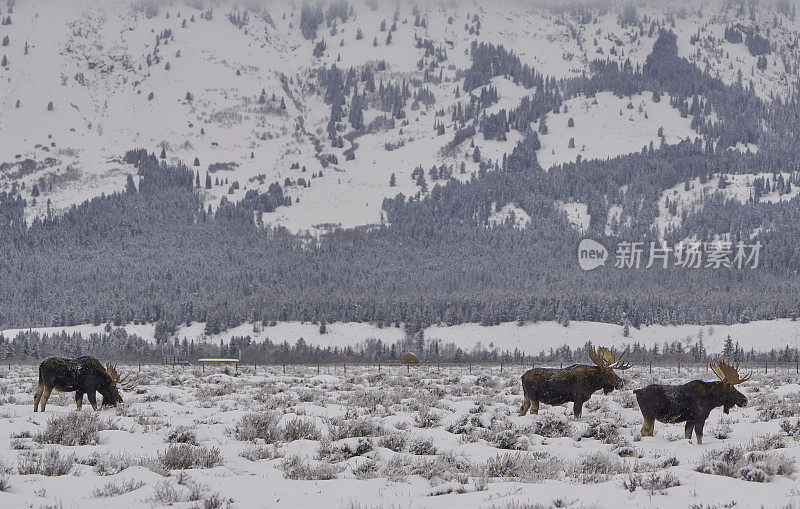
(344, 365)
(651, 366)
(766, 366)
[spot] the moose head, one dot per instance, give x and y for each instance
(730, 378)
(111, 395)
(605, 360)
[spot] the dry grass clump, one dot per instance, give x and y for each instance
(73, 428)
(50, 463)
(262, 426)
(596, 467)
(297, 468)
(527, 467)
(113, 490)
(184, 456)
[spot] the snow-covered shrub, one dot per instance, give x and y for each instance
(184, 456)
(755, 466)
(466, 425)
(371, 399)
(445, 467)
(596, 467)
(427, 418)
(5, 479)
(653, 483)
(308, 395)
(107, 464)
(625, 399)
(529, 467)
(771, 406)
(260, 452)
(509, 439)
(791, 427)
(164, 494)
(298, 429)
(393, 441)
(603, 430)
(113, 490)
(261, 426)
(50, 463)
(367, 469)
(343, 450)
(628, 451)
(422, 447)
(597, 405)
(73, 428)
(655, 465)
(342, 427)
(766, 443)
(182, 435)
(297, 468)
(722, 430)
(551, 425)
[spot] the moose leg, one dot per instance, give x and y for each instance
(79, 399)
(92, 397)
(689, 427)
(577, 409)
(535, 407)
(37, 397)
(526, 404)
(648, 427)
(45, 396)
(698, 431)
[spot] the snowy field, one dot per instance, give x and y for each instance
(532, 338)
(425, 438)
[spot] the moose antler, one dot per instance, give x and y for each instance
(605, 359)
(621, 365)
(123, 382)
(728, 373)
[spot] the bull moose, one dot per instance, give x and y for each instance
(84, 375)
(574, 383)
(691, 402)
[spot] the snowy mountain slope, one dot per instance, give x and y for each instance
(188, 78)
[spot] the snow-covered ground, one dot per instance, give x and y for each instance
(762, 336)
(608, 126)
(413, 438)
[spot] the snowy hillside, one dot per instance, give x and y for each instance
(236, 90)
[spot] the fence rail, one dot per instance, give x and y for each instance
(765, 367)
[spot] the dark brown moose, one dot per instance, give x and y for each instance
(84, 375)
(574, 383)
(691, 402)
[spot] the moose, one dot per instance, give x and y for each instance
(84, 375)
(574, 383)
(691, 402)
